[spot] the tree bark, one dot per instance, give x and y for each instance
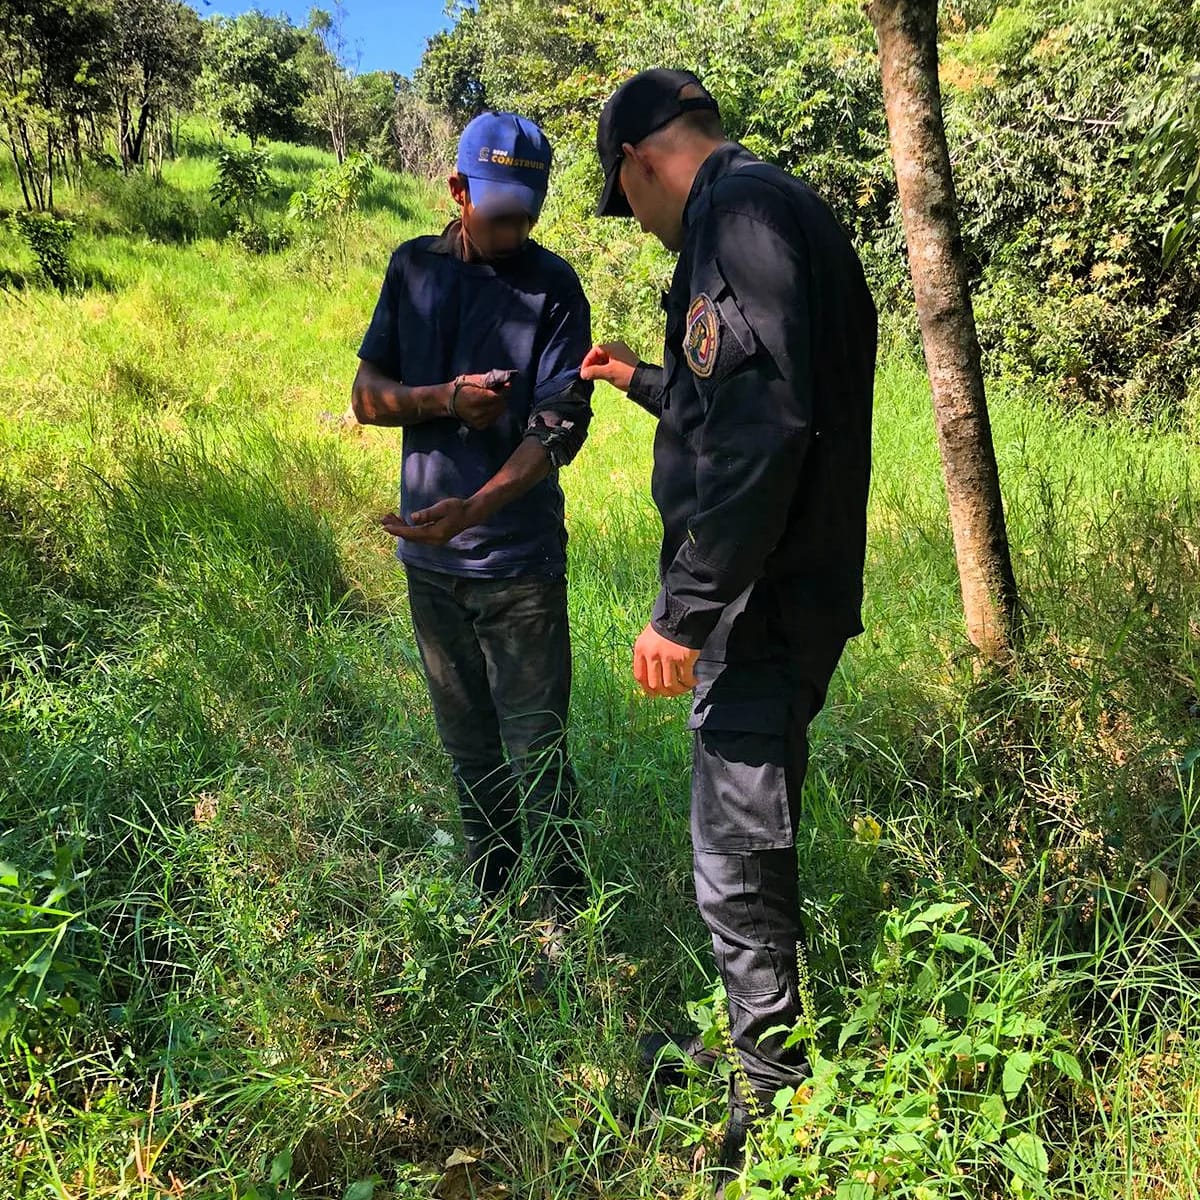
(12, 145)
(906, 31)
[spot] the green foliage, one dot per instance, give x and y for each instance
(1169, 156)
(242, 177)
(49, 240)
(942, 1068)
(326, 209)
(252, 78)
(42, 980)
(260, 235)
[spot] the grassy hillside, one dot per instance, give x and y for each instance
(238, 958)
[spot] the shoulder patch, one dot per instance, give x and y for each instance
(702, 336)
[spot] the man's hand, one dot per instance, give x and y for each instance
(433, 526)
(663, 668)
(612, 362)
(481, 399)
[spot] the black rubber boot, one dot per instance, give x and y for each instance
(666, 1066)
(731, 1155)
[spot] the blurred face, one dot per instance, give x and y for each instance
(492, 236)
(653, 206)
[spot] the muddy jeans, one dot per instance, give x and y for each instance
(497, 657)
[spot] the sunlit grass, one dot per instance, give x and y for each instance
(211, 709)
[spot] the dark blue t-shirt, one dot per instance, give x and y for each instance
(439, 317)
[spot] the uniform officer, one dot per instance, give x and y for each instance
(761, 467)
(474, 351)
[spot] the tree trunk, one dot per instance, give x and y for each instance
(139, 137)
(123, 134)
(12, 145)
(34, 178)
(906, 31)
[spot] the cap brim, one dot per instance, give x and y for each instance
(612, 199)
(493, 199)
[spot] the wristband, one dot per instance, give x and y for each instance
(459, 383)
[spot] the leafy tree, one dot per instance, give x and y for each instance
(252, 78)
(372, 112)
(327, 208)
(52, 59)
(155, 63)
(242, 177)
(450, 76)
(330, 100)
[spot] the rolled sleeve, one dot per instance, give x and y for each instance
(561, 423)
(562, 409)
(567, 337)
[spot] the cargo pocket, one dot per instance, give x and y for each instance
(739, 759)
(740, 792)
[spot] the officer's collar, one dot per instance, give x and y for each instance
(719, 162)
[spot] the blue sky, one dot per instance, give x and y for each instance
(384, 35)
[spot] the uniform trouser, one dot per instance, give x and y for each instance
(497, 658)
(750, 756)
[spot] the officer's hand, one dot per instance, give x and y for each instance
(433, 526)
(481, 399)
(663, 668)
(612, 362)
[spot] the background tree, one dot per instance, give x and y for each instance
(252, 79)
(52, 60)
(155, 63)
(450, 75)
(330, 100)
(423, 135)
(907, 33)
(372, 112)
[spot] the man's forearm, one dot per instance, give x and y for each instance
(378, 400)
(528, 465)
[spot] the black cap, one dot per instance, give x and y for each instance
(638, 108)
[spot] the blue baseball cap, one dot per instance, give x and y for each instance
(506, 160)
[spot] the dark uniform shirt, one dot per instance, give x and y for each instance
(438, 317)
(763, 447)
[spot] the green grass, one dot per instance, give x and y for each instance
(237, 952)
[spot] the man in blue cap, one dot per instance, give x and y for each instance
(474, 351)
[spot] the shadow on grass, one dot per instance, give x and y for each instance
(84, 278)
(13, 280)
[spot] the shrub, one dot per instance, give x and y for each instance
(242, 177)
(49, 239)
